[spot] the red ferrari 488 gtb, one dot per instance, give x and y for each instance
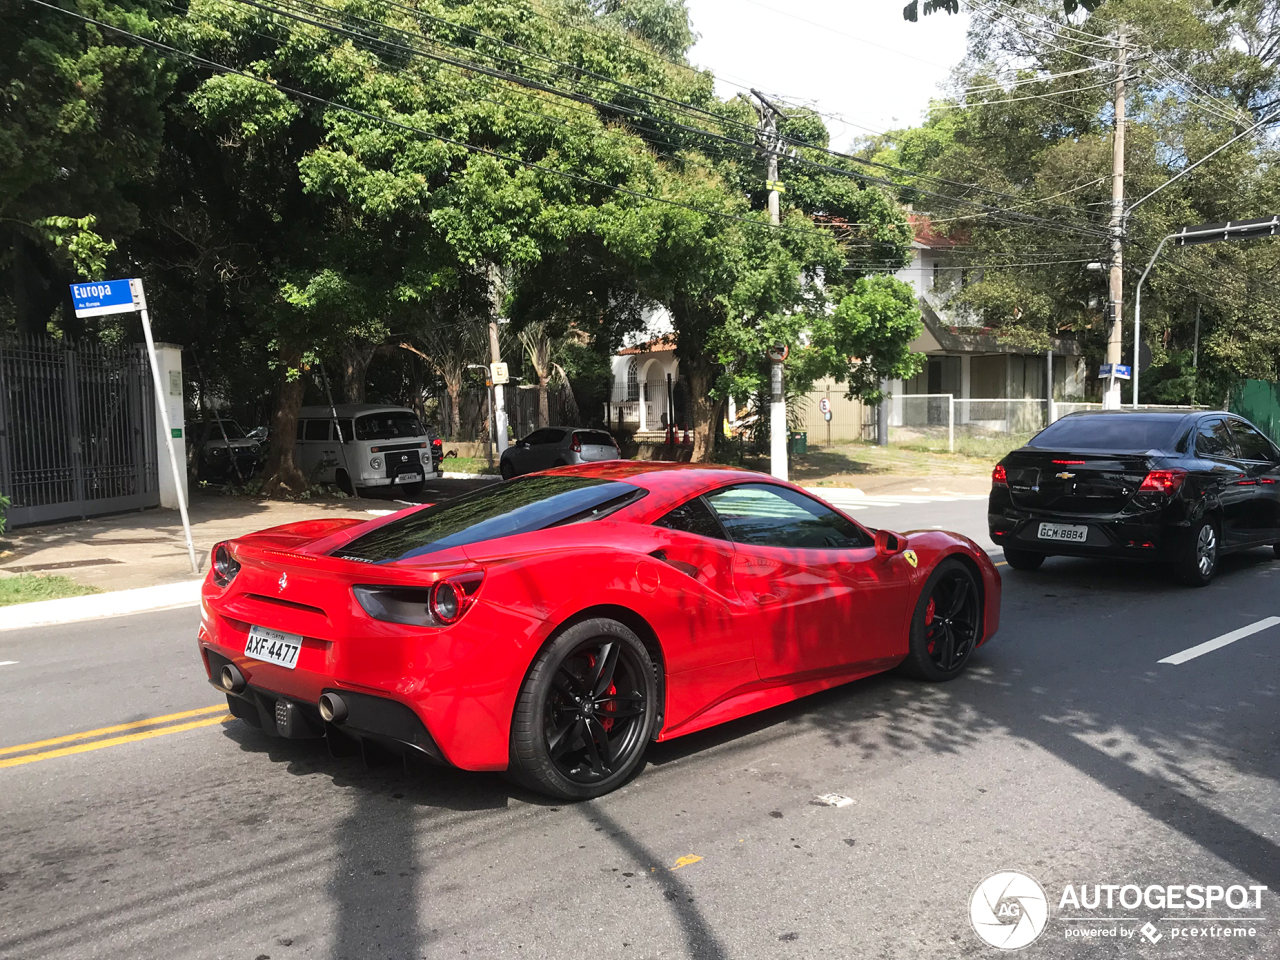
(552, 625)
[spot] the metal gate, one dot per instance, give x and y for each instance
(77, 430)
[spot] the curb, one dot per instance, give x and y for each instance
(95, 606)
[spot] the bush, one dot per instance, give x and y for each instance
(4, 504)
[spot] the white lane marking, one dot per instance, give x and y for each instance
(382, 513)
(95, 606)
(1200, 649)
(7, 663)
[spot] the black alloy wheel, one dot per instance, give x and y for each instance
(947, 624)
(506, 469)
(1199, 562)
(586, 712)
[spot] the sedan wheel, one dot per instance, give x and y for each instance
(947, 624)
(1200, 563)
(585, 713)
(506, 469)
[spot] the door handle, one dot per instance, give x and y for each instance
(766, 598)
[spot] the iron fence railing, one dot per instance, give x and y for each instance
(77, 430)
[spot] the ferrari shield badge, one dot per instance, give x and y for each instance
(911, 558)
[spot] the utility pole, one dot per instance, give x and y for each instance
(767, 137)
(495, 356)
(1111, 399)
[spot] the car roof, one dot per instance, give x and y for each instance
(663, 476)
(350, 410)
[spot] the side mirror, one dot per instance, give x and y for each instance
(889, 544)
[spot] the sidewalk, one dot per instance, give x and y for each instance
(147, 548)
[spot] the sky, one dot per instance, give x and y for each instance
(855, 58)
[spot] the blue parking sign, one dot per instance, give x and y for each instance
(102, 297)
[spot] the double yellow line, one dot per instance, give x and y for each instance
(102, 737)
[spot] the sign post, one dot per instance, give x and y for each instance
(127, 296)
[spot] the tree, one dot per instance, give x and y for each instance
(80, 130)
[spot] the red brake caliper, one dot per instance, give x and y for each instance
(929, 612)
(608, 722)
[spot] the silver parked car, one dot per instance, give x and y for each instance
(557, 447)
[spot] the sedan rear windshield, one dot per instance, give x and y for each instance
(502, 510)
(388, 426)
(1109, 432)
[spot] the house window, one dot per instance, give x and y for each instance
(633, 381)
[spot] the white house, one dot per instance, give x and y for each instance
(965, 359)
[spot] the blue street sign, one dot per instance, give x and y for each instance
(1121, 372)
(102, 297)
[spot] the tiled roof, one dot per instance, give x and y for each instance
(657, 345)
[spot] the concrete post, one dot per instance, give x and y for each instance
(169, 363)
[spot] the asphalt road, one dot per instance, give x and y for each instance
(1068, 752)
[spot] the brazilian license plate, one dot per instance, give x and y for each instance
(273, 646)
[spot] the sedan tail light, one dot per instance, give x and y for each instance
(999, 477)
(438, 605)
(1163, 481)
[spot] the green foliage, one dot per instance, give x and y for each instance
(4, 505)
(866, 339)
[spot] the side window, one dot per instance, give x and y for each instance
(317, 430)
(1252, 444)
(536, 438)
(553, 436)
(693, 517)
(1213, 439)
(302, 426)
(765, 515)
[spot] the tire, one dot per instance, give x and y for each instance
(413, 489)
(940, 645)
(506, 469)
(344, 483)
(1198, 567)
(1023, 559)
(568, 752)
(1276, 548)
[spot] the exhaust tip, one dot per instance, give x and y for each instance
(332, 708)
(232, 680)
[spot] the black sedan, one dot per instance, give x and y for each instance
(1182, 488)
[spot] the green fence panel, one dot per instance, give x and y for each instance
(1259, 402)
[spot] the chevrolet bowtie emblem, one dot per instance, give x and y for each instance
(283, 581)
(1064, 475)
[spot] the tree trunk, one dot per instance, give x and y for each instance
(699, 374)
(453, 387)
(355, 364)
(544, 403)
(282, 473)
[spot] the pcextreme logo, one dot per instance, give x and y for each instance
(1008, 910)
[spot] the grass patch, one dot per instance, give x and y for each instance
(477, 465)
(29, 587)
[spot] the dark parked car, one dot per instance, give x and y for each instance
(557, 447)
(1175, 487)
(222, 451)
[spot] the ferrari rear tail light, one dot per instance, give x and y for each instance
(999, 477)
(225, 566)
(453, 597)
(576, 446)
(440, 604)
(1163, 481)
